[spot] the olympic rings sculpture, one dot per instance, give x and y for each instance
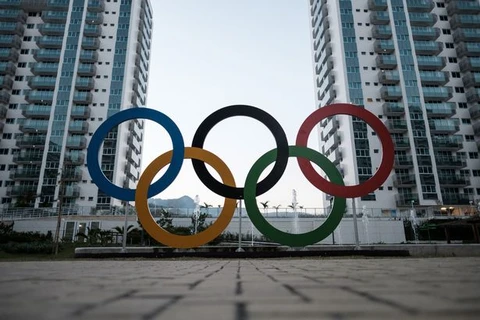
(227, 188)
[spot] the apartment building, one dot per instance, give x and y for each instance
(66, 66)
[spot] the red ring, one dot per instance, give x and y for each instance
(383, 134)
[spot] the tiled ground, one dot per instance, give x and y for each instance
(440, 288)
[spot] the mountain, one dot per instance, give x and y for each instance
(184, 202)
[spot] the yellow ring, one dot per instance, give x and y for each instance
(170, 239)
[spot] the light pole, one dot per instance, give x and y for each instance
(60, 205)
(239, 249)
(124, 239)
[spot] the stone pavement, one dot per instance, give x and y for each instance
(402, 288)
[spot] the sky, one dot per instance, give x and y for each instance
(210, 54)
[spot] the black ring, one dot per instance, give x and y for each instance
(248, 111)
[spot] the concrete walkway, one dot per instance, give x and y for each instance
(403, 288)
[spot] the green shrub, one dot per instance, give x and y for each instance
(28, 247)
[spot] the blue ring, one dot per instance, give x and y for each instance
(93, 150)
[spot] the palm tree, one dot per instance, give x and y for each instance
(265, 205)
(206, 206)
(276, 208)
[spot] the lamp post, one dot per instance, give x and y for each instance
(124, 239)
(239, 249)
(60, 205)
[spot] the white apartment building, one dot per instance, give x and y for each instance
(416, 65)
(66, 66)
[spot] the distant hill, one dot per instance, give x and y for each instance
(184, 202)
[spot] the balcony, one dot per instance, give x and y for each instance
(3, 112)
(457, 6)
(80, 112)
(82, 97)
(4, 97)
(50, 42)
(431, 63)
(456, 199)
(388, 77)
(425, 33)
(465, 21)
(7, 68)
(39, 82)
(445, 109)
(469, 64)
(391, 93)
(45, 68)
(7, 54)
(447, 143)
(420, 5)
(89, 43)
(428, 47)
(386, 61)
(25, 174)
(384, 46)
(401, 143)
(405, 199)
(28, 157)
(85, 69)
(40, 97)
(36, 141)
(86, 83)
(71, 192)
(453, 180)
(94, 18)
(404, 180)
(453, 162)
(88, 56)
(47, 55)
(12, 28)
(377, 5)
(34, 126)
(72, 174)
(437, 93)
(36, 111)
(471, 79)
(444, 126)
(422, 19)
(96, 5)
(58, 4)
(381, 32)
(393, 109)
(434, 77)
(396, 125)
(15, 191)
(10, 41)
(473, 95)
(379, 17)
(92, 30)
(474, 111)
(15, 15)
(403, 161)
(476, 128)
(74, 158)
(468, 49)
(469, 35)
(54, 16)
(76, 142)
(6, 82)
(78, 127)
(134, 128)
(52, 29)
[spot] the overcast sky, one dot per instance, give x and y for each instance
(209, 54)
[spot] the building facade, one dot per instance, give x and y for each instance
(416, 65)
(66, 66)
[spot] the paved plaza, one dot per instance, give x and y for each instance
(400, 288)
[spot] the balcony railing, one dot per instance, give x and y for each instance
(80, 112)
(92, 30)
(6, 82)
(52, 29)
(74, 157)
(45, 68)
(36, 111)
(54, 16)
(386, 61)
(28, 157)
(36, 141)
(428, 47)
(86, 83)
(468, 49)
(434, 77)
(444, 125)
(401, 143)
(76, 142)
(465, 21)
(47, 55)
(25, 174)
(431, 63)
(94, 18)
(12, 28)
(474, 111)
(58, 4)
(393, 109)
(420, 5)
(404, 180)
(377, 5)
(473, 95)
(458, 6)
(15, 191)
(424, 19)
(9, 54)
(464, 34)
(82, 97)
(451, 143)
(396, 125)
(39, 96)
(10, 41)
(471, 79)
(16, 15)
(85, 69)
(71, 192)
(437, 93)
(403, 161)
(391, 93)
(425, 33)
(456, 199)
(96, 5)
(389, 77)
(443, 161)
(453, 180)
(381, 32)
(4, 97)
(90, 43)
(379, 17)
(51, 42)
(78, 127)
(88, 56)
(39, 82)
(7, 68)
(384, 46)
(446, 109)
(405, 199)
(34, 126)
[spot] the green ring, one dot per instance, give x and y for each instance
(289, 239)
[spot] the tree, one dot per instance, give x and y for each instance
(120, 230)
(276, 208)
(200, 221)
(206, 206)
(265, 206)
(94, 236)
(166, 220)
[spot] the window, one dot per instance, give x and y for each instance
(446, 31)
(2, 167)
(3, 151)
(27, 38)
(459, 89)
(473, 155)
(24, 51)
(7, 136)
(441, 4)
(462, 105)
(469, 137)
(10, 120)
(449, 45)
(15, 92)
(22, 65)
(452, 60)
(476, 173)
(455, 74)
(466, 121)
(443, 18)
